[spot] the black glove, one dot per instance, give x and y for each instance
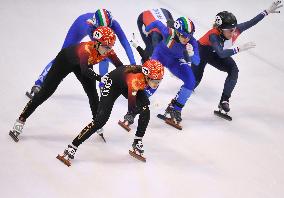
(129, 117)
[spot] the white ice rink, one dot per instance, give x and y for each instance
(209, 158)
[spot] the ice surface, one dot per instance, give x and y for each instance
(210, 158)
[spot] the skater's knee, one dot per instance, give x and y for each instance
(190, 85)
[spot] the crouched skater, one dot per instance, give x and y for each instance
(130, 82)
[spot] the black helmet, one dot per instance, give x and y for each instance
(225, 20)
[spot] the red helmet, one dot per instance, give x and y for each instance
(104, 35)
(153, 69)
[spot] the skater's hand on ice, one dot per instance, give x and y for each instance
(133, 41)
(189, 49)
(129, 118)
(246, 46)
(274, 6)
(144, 31)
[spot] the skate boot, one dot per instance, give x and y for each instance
(175, 118)
(137, 150)
(224, 105)
(224, 108)
(17, 130)
(35, 89)
(128, 120)
(101, 134)
(68, 155)
(167, 111)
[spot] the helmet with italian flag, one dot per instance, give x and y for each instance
(102, 17)
(184, 26)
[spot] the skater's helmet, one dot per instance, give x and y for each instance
(102, 17)
(104, 35)
(153, 69)
(225, 20)
(184, 26)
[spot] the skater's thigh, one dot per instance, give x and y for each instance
(105, 107)
(223, 64)
(88, 84)
(184, 72)
(56, 73)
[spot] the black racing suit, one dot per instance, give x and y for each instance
(78, 59)
(118, 84)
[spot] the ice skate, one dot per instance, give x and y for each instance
(124, 124)
(35, 89)
(17, 130)
(167, 112)
(137, 150)
(67, 155)
(101, 134)
(224, 108)
(172, 117)
(128, 120)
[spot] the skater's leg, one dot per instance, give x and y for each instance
(147, 40)
(75, 34)
(103, 67)
(142, 108)
(155, 39)
(183, 71)
(59, 71)
(103, 114)
(198, 70)
(227, 65)
(89, 86)
(43, 74)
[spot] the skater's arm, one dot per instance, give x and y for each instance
(218, 48)
(143, 54)
(114, 59)
(124, 42)
(248, 24)
(195, 59)
(84, 65)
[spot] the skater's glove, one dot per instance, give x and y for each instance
(144, 31)
(129, 117)
(274, 6)
(246, 46)
(189, 49)
(133, 41)
(105, 78)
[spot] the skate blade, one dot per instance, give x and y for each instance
(127, 128)
(163, 117)
(63, 160)
(102, 136)
(223, 115)
(15, 138)
(29, 95)
(139, 157)
(172, 123)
